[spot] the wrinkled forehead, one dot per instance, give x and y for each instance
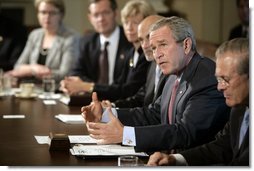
(226, 63)
(160, 34)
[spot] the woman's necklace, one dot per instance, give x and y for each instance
(44, 52)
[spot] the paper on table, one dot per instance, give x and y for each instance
(82, 139)
(49, 102)
(70, 118)
(74, 139)
(53, 96)
(13, 116)
(42, 139)
(104, 150)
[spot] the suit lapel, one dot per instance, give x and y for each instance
(186, 77)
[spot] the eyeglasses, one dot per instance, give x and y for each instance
(223, 81)
(50, 13)
(103, 13)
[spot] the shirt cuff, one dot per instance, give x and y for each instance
(105, 118)
(129, 137)
(180, 160)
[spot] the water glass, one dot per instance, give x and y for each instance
(7, 84)
(128, 161)
(49, 86)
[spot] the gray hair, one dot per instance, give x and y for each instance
(181, 29)
(238, 46)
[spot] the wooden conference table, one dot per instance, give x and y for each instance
(18, 147)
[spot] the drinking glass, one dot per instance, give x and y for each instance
(49, 86)
(127, 161)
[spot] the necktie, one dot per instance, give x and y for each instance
(103, 64)
(172, 100)
(244, 126)
(157, 78)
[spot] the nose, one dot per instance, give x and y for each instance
(145, 44)
(221, 87)
(157, 54)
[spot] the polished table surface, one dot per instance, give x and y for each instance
(18, 147)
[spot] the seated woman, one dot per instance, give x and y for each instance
(50, 49)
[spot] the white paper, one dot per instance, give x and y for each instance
(82, 139)
(65, 99)
(42, 139)
(104, 150)
(70, 118)
(13, 116)
(74, 139)
(49, 102)
(52, 96)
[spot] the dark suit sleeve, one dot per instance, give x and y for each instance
(129, 83)
(85, 66)
(141, 116)
(224, 150)
(134, 101)
(217, 152)
(203, 109)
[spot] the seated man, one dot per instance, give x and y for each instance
(231, 146)
(181, 117)
(133, 70)
(155, 79)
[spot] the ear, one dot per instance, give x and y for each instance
(89, 17)
(187, 44)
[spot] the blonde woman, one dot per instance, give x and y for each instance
(50, 49)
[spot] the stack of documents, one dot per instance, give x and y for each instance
(70, 118)
(103, 150)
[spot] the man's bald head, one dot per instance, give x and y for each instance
(143, 34)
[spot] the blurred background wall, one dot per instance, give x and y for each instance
(211, 19)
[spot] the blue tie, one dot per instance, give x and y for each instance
(244, 126)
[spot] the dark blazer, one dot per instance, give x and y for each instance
(145, 94)
(86, 66)
(14, 37)
(236, 32)
(199, 111)
(225, 149)
(132, 78)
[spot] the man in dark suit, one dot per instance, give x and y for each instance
(199, 110)
(155, 79)
(232, 72)
(103, 17)
(242, 29)
(131, 70)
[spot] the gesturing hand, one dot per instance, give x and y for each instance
(161, 159)
(107, 133)
(92, 112)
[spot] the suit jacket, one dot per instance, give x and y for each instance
(145, 94)
(14, 37)
(86, 66)
(199, 111)
(236, 32)
(225, 149)
(130, 81)
(60, 56)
